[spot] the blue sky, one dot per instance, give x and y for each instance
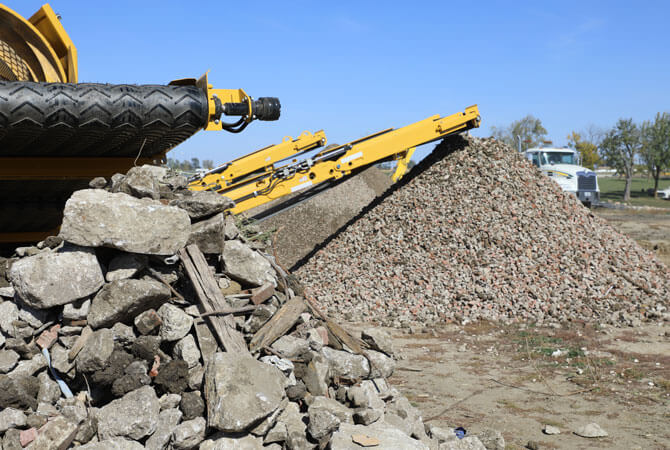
(352, 68)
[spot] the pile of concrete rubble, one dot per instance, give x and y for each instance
(153, 321)
(477, 232)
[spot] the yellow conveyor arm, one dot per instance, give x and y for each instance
(250, 182)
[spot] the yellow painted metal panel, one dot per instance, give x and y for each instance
(31, 45)
(49, 25)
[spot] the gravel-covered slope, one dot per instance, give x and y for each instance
(481, 233)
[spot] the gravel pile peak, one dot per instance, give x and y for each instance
(477, 232)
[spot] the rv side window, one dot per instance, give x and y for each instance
(536, 160)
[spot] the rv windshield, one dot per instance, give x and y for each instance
(558, 158)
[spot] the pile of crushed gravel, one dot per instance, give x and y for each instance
(476, 232)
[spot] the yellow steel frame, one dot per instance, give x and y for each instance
(44, 45)
(385, 145)
(403, 163)
(49, 26)
(258, 163)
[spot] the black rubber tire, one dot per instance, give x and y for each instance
(86, 119)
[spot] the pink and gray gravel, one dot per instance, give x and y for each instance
(477, 232)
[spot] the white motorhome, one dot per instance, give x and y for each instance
(562, 165)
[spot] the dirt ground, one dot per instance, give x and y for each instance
(511, 378)
(505, 378)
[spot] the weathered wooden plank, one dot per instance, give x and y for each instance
(211, 299)
(279, 324)
(355, 344)
(206, 340)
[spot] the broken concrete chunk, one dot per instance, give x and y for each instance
(491, 439)
(283, 364)
(346, 365)
(97, 183)
(60, 359)
(315, 339)
(12, 418)
(8, 360)
(203, 204)
(221, 442)
(334, 407)
(381, 365)
(134, 377)
(316, 375)
(167, 421)
(255, 389)
(173, 377)
(28, 367)
(266, 424)
(386, 436)
(296, 429)
(467, 443)
(187, 350)
(246, 265)
(125, 266)
(22, 252)
(411, 416)
(192, 405)
(277, 433)
(133, 416)
(12, 440)
(175, 322)
(550, 429)
(366, 416)
(209, 235)
(142, 182)
(591, 430)
(9, 313)
(114, 369)
(122, 300)
(96, 352)
(97, 218)
(321, 423)
(56, 278)
(74, 409)
(195, 377)
(35, 317)
(57, 434)
(123, 334)
(189, 433)
(365, 396)
(113, 444)
(169, 401)
(49, 391)
(290, 346)
(147, 321)
(379, 340)
(7, 292)
(231, 230)
(77, 310)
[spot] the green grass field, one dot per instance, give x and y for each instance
(611, 190)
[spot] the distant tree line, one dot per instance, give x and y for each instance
(620, 147)
(189, 165)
